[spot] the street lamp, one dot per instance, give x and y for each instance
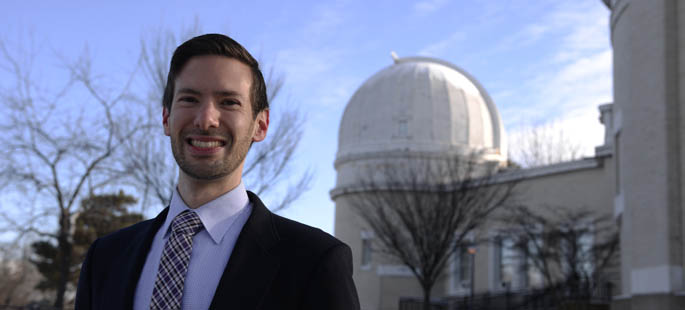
(472, 252)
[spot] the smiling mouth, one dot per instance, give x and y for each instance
(205, 144)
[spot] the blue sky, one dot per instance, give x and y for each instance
(540, 61)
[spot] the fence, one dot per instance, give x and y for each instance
(32, 306)
(560, 297)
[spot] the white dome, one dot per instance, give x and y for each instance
(421, 105)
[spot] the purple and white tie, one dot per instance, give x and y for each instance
(173, 266)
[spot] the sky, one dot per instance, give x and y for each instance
(541, 61)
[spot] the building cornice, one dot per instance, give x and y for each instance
(536, 172)
(486, 155)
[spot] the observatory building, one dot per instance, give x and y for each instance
(427, 108)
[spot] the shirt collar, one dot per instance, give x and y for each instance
(217, 215)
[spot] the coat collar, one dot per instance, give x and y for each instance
(251, 268)
(138, 251)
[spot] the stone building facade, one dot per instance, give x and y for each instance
(425, 106)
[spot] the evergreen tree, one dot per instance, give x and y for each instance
(100, 215)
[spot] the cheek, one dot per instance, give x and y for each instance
(176, 122)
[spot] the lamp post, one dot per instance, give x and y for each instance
(472, 252)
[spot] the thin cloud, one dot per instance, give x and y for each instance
(532, 33)
(340, 90)
(327, 17)
(572, 81)
(579, 26)
(307, 65)
(577, 86)
(304, 67)
(572, 96)
(309, 55)
(591, 35)
(441, 47)
(428, 6)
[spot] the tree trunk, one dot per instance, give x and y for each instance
(427, 297)
(65, 248)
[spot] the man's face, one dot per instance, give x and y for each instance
(211, 122)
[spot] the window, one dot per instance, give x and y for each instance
(576, 251)
(512, 267)
(534, 277)
(366, 252)
(403, 130)
(461, 270)
(465, 262)
(510, 262)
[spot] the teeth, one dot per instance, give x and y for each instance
(205, 144)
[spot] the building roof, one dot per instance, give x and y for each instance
(421, 104)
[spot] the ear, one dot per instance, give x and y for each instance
(165, 121)
(261, 126)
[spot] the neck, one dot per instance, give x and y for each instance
(195, 192)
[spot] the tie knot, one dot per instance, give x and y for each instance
(186, 223)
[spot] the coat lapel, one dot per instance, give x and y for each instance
(250, 268)
(134, 258)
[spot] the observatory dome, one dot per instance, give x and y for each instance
(420, 105)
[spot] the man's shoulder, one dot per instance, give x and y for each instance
(289, 233)
(125, 235)
(296, 235)
(293, 231)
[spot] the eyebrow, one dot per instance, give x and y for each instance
(223, 93)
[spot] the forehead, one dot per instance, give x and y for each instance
(214, 73)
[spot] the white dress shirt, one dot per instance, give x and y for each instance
(223, 219)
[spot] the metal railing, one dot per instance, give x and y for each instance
(32, 306)
(559, 297)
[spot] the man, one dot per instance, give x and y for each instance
(216, 246)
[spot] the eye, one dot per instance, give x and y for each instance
(187, 99)
(229, 102)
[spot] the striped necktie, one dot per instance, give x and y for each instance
(173, 266)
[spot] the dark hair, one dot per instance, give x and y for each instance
(220, 45)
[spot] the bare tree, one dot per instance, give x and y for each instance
(53, 153)
(421, 209)
(542, 145)
(571, 247)
(269, 163)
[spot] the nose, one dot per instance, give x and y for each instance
(207, 116)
